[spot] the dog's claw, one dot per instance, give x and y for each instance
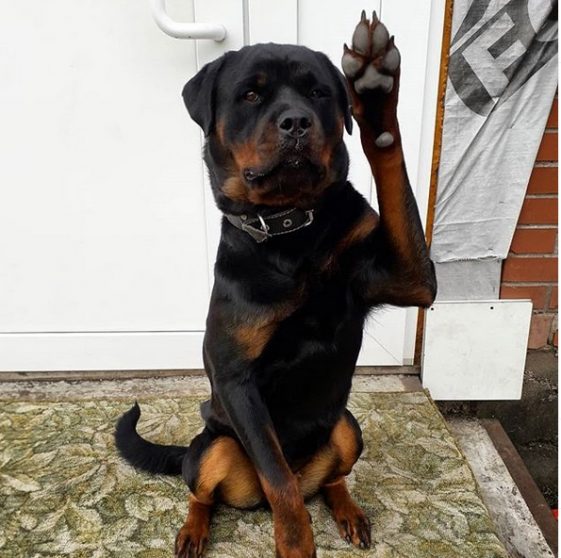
(384, 140)
(374, 17)
(363, 15)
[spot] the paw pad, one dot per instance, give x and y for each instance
(380, 38)
(372, 64)
(361, 39)
(373, 79)
(372, 58)
(384, 140)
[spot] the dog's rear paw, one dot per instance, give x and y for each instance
(190, 544)
(352, 522)
(353, 525)
(192, 539)
(372, 66)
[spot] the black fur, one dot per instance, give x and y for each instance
(292, 389)
(144, 455)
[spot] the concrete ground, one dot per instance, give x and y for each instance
(515, 525)
(514, 521)
(531, 423)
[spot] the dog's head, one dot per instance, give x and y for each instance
(274, 117)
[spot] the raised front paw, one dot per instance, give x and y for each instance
(372, 67)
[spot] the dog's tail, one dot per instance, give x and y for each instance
(152, 458)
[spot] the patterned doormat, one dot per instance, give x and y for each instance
(65, 492)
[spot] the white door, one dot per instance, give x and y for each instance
(107, 229)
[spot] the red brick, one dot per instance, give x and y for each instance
(552, 120)
(548, 147)
(554, 300)
(543, 180)
(540, 329)
(538, 211)
(529, 270)
(534, 241)
(538, 294)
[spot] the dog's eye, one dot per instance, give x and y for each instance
(316, 94)
(252, 97)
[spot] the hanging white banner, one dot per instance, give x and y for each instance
(502, 78)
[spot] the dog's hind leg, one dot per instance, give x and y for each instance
(352, 522)
(326, 472)
(215, 469)
(192, 538)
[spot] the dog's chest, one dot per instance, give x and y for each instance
(326, 327)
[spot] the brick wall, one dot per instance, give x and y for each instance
(530, 271)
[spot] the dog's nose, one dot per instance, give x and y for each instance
(294, 123)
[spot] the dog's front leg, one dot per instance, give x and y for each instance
(401, 272)
(250, 419)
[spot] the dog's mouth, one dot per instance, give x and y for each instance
(295, 166)
(294, 163)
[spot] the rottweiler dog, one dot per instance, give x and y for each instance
(302, 260)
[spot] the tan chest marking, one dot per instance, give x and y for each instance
(254, 337)
(256, 332)
(359, 232)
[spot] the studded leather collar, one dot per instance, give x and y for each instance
(261, 227)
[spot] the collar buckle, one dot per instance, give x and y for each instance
(259, 235)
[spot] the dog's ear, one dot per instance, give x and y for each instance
(345, 99)
(199, 95)
(342, 91)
